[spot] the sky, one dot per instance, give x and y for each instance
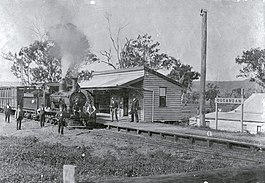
(233, 26)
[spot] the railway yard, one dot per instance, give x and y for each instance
(36, 154)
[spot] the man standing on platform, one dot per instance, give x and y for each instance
(134, 109)
(7, 113)
(114, 109)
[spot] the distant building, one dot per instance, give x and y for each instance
(253, 117)
(159, 96)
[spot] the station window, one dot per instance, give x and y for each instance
(162, 96)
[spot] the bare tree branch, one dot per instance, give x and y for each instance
(108, 55)
(38, 28)
(115, 42)
(110, 64)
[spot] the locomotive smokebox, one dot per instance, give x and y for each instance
(62, 86)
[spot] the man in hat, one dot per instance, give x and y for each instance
(19, 116)
(61, 123)
(7, 112)
(134, 109)
(41, 111)
(114, 109)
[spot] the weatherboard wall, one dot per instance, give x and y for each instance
(172, 111)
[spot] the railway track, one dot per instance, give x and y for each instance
(181, 146)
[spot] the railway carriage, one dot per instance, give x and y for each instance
(12, 95)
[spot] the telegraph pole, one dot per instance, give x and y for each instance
(203, 67)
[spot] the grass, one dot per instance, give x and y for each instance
(28, 160)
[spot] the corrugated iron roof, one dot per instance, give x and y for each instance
(113, 79)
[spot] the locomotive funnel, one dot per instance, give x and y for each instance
(75, 85)
(62, 86)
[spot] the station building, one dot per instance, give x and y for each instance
(159, 96)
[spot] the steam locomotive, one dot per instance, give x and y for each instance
(53, 96)
(75, 102)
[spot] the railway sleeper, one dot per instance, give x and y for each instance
(176, 138)
(209, 143)
(192, 140)
(229, 145)
(150, 133)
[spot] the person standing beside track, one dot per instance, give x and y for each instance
(7, 112)
(41, 111)
(61, 122)
(19, 116)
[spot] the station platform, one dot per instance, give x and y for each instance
(187, 132)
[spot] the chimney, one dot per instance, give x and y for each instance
(62, 86)
(74, 84)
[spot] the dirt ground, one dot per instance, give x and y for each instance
(109, 154)
(100, 140)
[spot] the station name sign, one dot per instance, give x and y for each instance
(229, 100)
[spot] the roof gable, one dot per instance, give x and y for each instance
(163, 76)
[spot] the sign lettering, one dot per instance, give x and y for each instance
(229, 100)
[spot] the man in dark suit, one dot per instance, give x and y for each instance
(19, 116)
(42, 115)
(134, 109)
(61, 122)
(114, 109)
(7, 113)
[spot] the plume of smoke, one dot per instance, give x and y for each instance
(73, 43)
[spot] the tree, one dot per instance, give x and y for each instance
(144, 51)
(253, 62)
(39, 62)
(44, 60)
(193, 97)
(184, 74)
(115, 43)
(211, 93)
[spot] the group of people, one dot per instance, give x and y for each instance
(114, 107)
(61, 115)
(89, 109)
(18, 115)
